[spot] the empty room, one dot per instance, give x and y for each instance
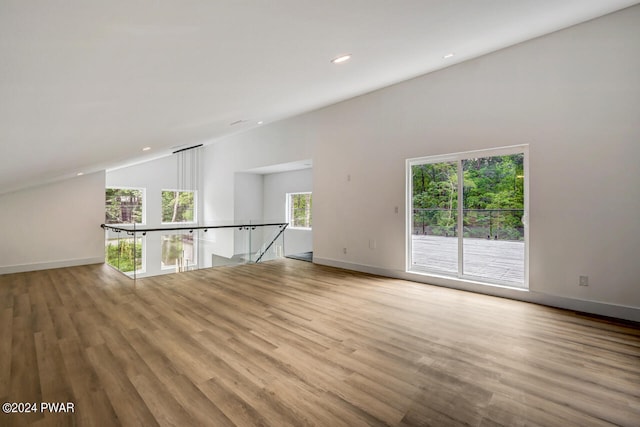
(296, 213)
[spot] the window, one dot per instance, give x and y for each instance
(178, 206)
(124, 206)
(467, 215)
(299, 210)
(178, 251)
(125, 254)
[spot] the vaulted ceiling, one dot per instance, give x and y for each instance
(87, 84)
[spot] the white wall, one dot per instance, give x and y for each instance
(573, 96)
(262, 198)
(277, 143)
(54, 225)
(276, 187)
(248, 197)
(248, 201)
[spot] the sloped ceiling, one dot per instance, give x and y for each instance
(86, 84)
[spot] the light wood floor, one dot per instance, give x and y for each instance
(289, 343)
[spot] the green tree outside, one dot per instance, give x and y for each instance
(300, 210)
(177, 206)
(123, 206)
(493, 197)
(120, 254)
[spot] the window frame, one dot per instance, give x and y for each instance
(143, 250)
(195, 206)
(290, 220)
(458, 158)
(164, 267)
(143, 190)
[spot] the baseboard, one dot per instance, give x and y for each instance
(592, 307)
(49, 265)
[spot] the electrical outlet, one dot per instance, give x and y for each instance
(584, 281)
(344, 251)
(395, 209)
(372, 244)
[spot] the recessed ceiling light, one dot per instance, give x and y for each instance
(260, 122)
(448, 55)
(340, 59)
(146, 149)
(80, 174)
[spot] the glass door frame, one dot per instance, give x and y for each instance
(458, 158)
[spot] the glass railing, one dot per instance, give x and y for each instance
(141, 251)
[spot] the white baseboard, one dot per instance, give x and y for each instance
(585, 306)
(49, 265)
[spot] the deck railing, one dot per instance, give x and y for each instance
(140, 251)
(498, 224)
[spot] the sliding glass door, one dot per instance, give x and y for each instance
(468, 216)
(435, 216)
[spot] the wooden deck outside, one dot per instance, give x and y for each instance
(496, 260)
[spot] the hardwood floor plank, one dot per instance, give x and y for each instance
(129, 407)
(89, 397)
(165, 409)
(308, 404)
(203, 411)
(231, 404)
(6, 345)
(289, 343)
(25, 381)
(526, 409)
(324, 375)
(51, 370)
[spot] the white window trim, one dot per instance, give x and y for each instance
(459, 157)
(288, 210)
(195, 250)
(143, 264)
(144, 203)
(195, 206)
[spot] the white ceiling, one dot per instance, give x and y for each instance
(86, 84)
